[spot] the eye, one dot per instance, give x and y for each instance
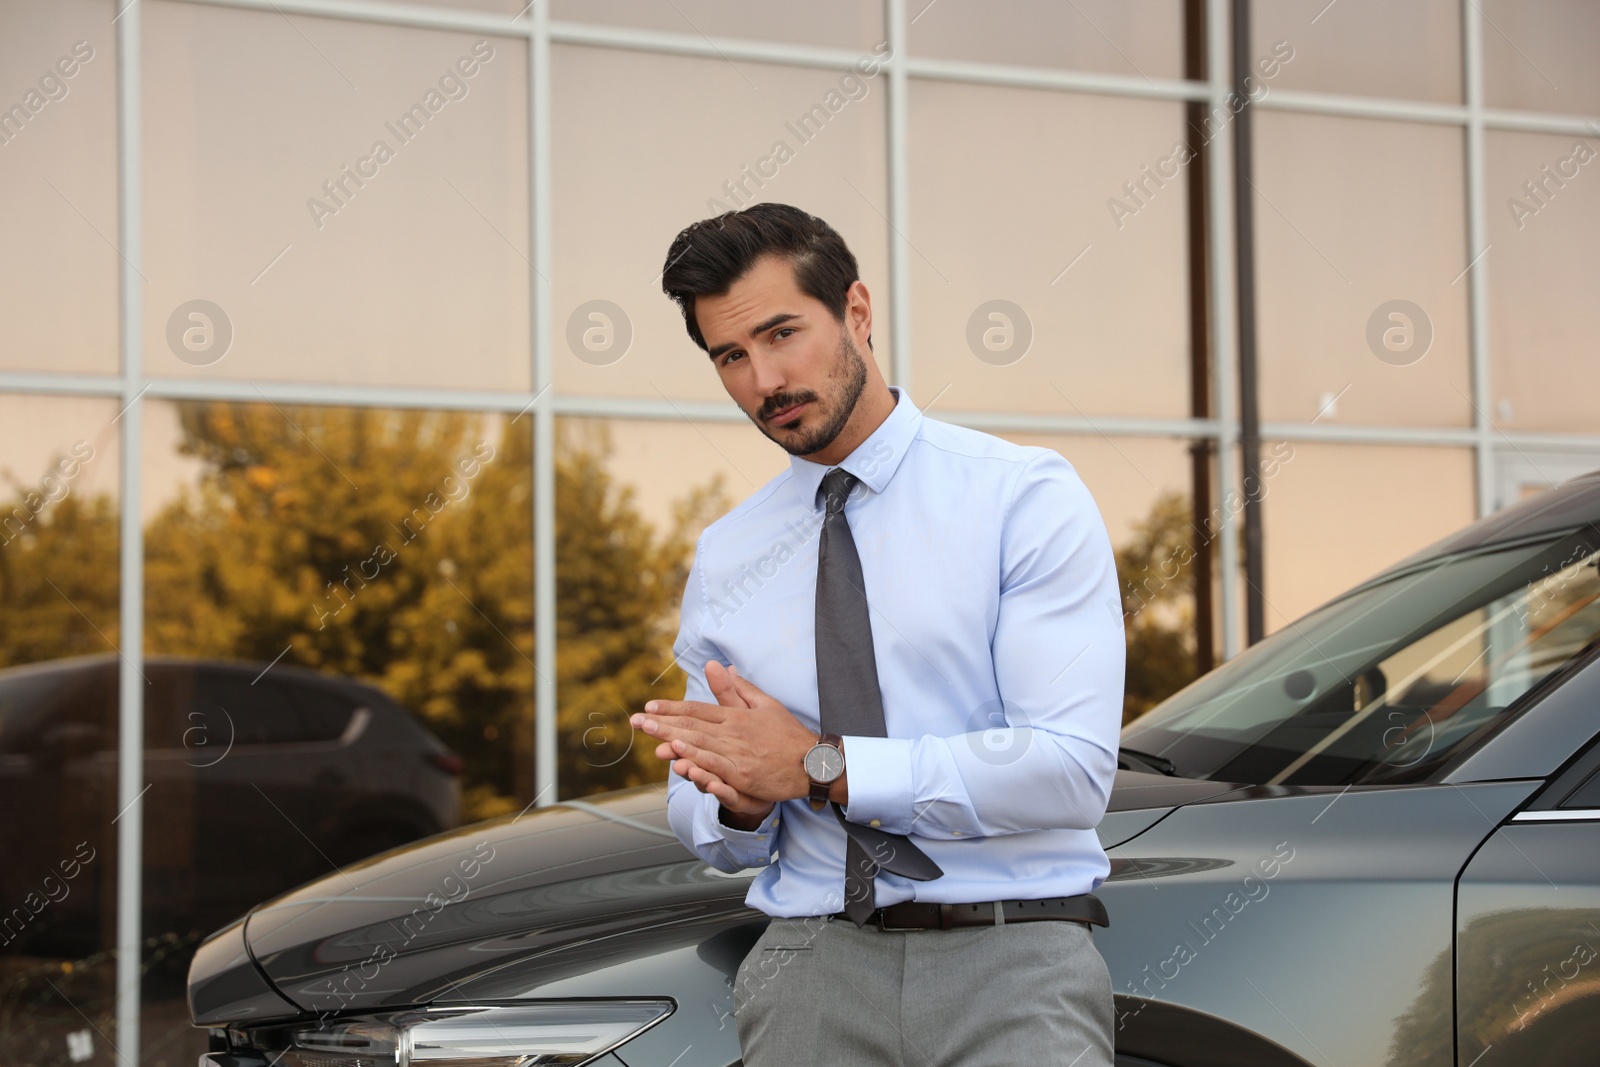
(729, 358)
(781, 331)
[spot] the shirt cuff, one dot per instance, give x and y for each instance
(749, 848)
(879, 772)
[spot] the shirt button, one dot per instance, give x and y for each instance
(956, 833)
(774, 823)
(876, 822)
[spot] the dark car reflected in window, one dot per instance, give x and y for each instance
(256, 783)
(1390, 681)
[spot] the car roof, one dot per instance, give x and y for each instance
(282, 672)
(1572, 505)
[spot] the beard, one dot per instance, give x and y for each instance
(847, 379)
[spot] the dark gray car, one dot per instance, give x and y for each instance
(230, 755)
(1373, 838)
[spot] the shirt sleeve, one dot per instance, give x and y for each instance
(1049, 756)
(695, 816)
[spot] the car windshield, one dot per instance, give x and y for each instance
(1390, 681)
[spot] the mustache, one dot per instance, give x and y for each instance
(782, 401)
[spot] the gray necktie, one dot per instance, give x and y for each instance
(848, 698)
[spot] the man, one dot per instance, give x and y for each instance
(915, 732)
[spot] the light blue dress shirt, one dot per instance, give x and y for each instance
(998, 635)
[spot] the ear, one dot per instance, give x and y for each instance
(858, 312)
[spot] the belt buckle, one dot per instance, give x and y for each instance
(880, 917)
(946, 913)
(884, 925)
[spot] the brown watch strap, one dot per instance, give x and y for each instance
(820, 790)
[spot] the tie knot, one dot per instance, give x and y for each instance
(836, 486)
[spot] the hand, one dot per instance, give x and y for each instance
(748, 744)
(744, 813)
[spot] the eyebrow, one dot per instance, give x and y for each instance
(759, 329)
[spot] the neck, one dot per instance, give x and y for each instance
(874, 406)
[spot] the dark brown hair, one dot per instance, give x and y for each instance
(708, 256)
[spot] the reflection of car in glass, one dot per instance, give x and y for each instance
(254, 781)
(1373, 838)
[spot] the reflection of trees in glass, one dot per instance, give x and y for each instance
(58, 579)
(395, 546)
(1155, 569)
(618, 589)
(1513, 971)
(392, 546)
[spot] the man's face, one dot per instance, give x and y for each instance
(787, 362)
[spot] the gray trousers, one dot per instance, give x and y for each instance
(822, 991)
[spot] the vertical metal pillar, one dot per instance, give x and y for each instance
(1477, 242)
(1219, 178)
(1201, 450)
(547, 791)
(1249, 408)
(130, 680)
(894, 17)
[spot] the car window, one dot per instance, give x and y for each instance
(197, 707)
(324, 715)
(71, 709)
(1387, 683)
(27, 703)
(261, 713)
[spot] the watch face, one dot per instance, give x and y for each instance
(824, 763)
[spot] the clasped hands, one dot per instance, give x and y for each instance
(747, 749)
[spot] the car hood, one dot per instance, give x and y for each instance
(557, 892)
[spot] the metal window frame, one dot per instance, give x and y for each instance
(132, 383)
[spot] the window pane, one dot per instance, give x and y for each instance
(1359, 254)
(1334, 515)
(1540, 54)
(632, 498)
(829, 23)
(59, 636)
(1104, 36)
(1365, 47)
(1143, 490)
(618, 214)
(1046, 285)
(349, 200)
(339, 644)
(58, 187)
(1544, 220)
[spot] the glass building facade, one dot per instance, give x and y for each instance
(351, 456)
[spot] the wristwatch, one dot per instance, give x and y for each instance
(824, 763)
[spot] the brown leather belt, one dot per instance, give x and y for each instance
(930, 915)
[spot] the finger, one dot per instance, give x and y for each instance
(666, 727)
(674, 750)
(721, 683)
(684, 730)
(693, 709)
(724, 792)
(705, 759)
(704, 780)
(752, 694)
(694, 774)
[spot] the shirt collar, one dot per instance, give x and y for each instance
(874, 460)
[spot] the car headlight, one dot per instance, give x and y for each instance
(543, 1034)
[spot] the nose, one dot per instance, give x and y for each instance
(767, 373)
